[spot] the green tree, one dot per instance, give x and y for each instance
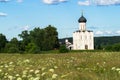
(12, 46)
(3, 42)
(42, 39)
(25, 40)
(45, 39)
(37, 36)
(15, 42)
(51, 38)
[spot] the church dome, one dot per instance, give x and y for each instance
(82, 19)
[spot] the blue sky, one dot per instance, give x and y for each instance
(103, 16)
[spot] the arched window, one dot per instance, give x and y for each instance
(86, 47)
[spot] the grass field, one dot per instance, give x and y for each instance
(69, 66)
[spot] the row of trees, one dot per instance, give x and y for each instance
(33, 41)
(114, 47)
(104, 42)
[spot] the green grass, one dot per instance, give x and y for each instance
(74, 65)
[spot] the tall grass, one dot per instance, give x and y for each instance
(69, 66)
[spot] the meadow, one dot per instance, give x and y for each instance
(66, 66)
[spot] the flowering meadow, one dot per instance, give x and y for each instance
(68, 66)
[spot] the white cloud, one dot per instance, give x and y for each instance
(85, 3)
(99, 2)
(54, 1)
(25, 27)
(99, 32)
(107, 2)
(118, 32)
(108, 32)
(3, 14)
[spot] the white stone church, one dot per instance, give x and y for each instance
(83, 39)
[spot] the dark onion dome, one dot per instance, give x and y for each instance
(82, 19)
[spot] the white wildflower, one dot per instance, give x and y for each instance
(26, 61)
(6, 74)
(0, 70)
(51, 70)
(78, 68)
(5, 77)
(55, 67)
(27, 68)
(25, 72)
(43, 74)
(118, 69)
(37, 78)
(97, 63)
(31, 70)
(54, 76)
(19, 78)
(43, 68)
(113, 68)
(119, 72)
(6, 66)
(17, 75)
(104, 62)
(10, 77)
(37, 71)
(66, 75)
(1, 66)
(63, 76)
(10, 63)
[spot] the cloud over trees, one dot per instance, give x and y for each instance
(99, 2)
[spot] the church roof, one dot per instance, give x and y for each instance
(82, 19)
(84, 31)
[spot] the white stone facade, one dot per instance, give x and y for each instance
(83, 39)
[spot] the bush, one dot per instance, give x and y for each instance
(109, 48)
(32, 48)
(63, 49)
(13, 50)
(115, 47)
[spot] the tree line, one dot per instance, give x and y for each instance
(108, 43)
(33, 41)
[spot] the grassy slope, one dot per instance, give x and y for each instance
(69, 66)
